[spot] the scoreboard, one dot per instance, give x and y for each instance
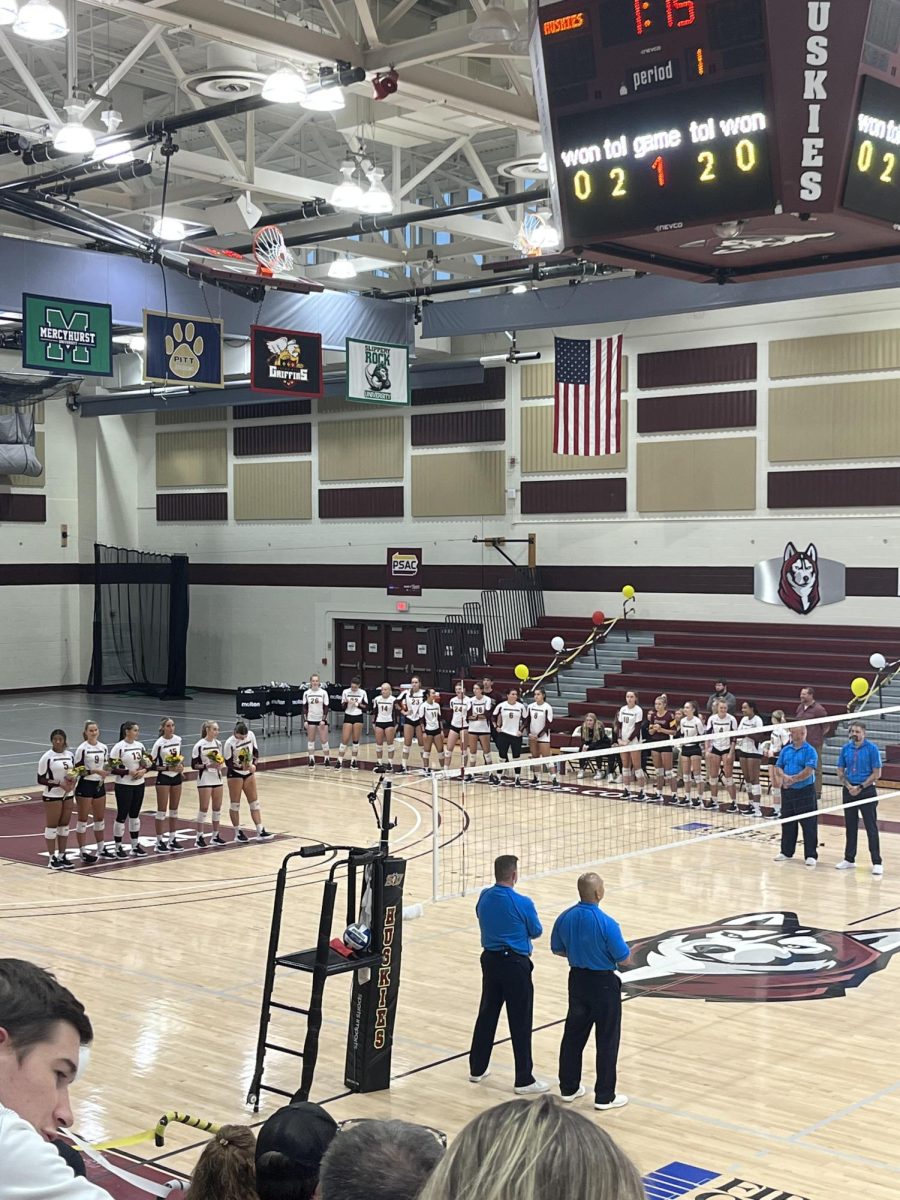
(723, 138)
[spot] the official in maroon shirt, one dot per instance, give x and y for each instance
(807, 709)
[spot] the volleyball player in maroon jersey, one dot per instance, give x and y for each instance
(662, 729)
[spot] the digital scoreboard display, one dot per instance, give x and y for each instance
(873, 173)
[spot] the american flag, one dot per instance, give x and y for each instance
(587, 417)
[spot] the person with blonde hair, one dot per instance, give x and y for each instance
(529, 1150)
(208, 760)
(226, 1170)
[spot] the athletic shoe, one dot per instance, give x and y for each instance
(580, 775)
(494, 779)
(338, 763)
(556, 785)
(311, 764)
(616, 1102)
(121, 852)
(138, 849)
(626, 795)
(240, 836)
(262, 833)
(640, 798)
(844, 865)
(810, 864)
(533, 782)
(88, 859)
(55, 863)
(478, 1078)
(326, 762)
(217, 840)
(391, 769)
(575, 1096)
(161, 847)
(404, 770)
(878, 869)
(532, 1089)
(683, 802)
(105, 852)
(200, 842)
(781, 858)
(175, 846)
(696, 803)
(354, 765)
(518, 782)
(379, 769)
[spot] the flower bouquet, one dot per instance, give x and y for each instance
(76, 772)
(215, 758)
(173, 760)
(244, 757)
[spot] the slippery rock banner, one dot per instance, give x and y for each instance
(377, 372)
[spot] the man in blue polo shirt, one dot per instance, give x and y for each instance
(593, 944)
(508, 923)
(795, 774)
(859, 768)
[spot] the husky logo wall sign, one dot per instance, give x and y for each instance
(758, 957)
(800, 580)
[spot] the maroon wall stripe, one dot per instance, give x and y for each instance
(192, 506)
(573, 496)
(709, 364)
(708, 410)
(861, 487)
(459, 428)
(277, 408)
(295, 438)
(343, 503)
(493, 388)
(31, 508)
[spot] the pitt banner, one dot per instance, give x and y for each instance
(183, 349)
(377, 372)
(285, 362)
(404, 572)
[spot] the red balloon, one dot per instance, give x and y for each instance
(598, 618)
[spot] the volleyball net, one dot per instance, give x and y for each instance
(579, 809)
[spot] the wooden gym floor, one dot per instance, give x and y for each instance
(800, 1097)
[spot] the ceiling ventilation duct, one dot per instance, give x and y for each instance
(231, 74)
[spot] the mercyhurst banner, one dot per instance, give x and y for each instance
(377, 372)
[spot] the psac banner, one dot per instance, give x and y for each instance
(183, 349)
(377, 372)
(68, 337)
(404, 572)
(285, 362)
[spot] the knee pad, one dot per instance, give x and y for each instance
(134, 825)
(50, 833)
(62, 831)
(671, 774)
(325, 746)
(235, 808)
(118, 828)
(160, 815)
(698, 780)
(81, 827)
(99, 826)
(254, 806)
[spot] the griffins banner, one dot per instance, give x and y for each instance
(285, 362)
(404, 572)
(377, 372)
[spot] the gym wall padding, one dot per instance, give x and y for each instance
(715, 475)
(193, 458)
(361, 449)
(836, 354)
(537, 447)
(470, 484)
(839, 422)
(276, 491)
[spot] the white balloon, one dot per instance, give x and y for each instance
(878, 661)
(558, 644)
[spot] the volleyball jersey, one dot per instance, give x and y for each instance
(667, 721)
(94, 758)
(354, 703)
(459, 711)
(778, 739)
(241, 746)
(432, 713)
(315, 701)
(691, 728)
(511, 718)
(747, 726)
(162, 747)
(719, 728)
(629, 720)
(383, 708)
(53, 766)
(208, 772)
(415, 704)
(540, 718)
(479, 710)
(130, 754)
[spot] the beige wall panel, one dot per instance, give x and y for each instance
(835, 422)
(36, 409)
(459, 485)
(192, 416)
(836, 354)
(193, 458)
(37, 481)
(361, 449)
(278, 491)
(537, 447)
(331, 405)
(537, 379)
(703, 476)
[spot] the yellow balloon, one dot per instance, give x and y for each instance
(859, 687)
(521, 672)
(628, 591)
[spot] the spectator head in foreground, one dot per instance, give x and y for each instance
(379, 1160)
(226, 1170)
(42, 1031)
(289, 1150)
(531, 1149)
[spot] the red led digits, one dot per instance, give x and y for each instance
(679, 14)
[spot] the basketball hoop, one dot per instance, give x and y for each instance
(270, 267)
(270, 251)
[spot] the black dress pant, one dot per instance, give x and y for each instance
(795, 802)
(595, 1002)
(505, 979)
(509, 743)
(869, 814)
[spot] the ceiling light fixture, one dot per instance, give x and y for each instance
(342, 268)
(376, 199)
(546, 236)
(519, 289)
(40, 21)
(169, 229)
(9, 11)
(348, 194)
(136, 342)
(74, 137)
(284, 86)
(324, 99)
(493, 25)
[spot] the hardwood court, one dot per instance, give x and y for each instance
(801, 1097)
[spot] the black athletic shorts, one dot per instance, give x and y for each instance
(169, 778)
(414, 722)
(436, 732)
(90, 789)
(749, 754)
(231, 773)
(350, 719)
(385, 724)
(690, 749)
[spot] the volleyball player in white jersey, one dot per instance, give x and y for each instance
(692, 727)
(720, 755)
(354, 702)
(510, 721)
(459, 720)
(56, 771)
(629, 719)
(208, 761)
(412, 704)
(778, 739)
(432, 733)
(130, 762)
(168, 761)
(91, 758)
(540, 722)
(478, 731)
(751, 756)
(315, 702)
(241, 754)
(384, 715)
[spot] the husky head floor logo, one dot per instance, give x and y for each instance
(758, 957)
(799, 586)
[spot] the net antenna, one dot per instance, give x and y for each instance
(271, 251)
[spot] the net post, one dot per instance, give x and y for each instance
(435, 840)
